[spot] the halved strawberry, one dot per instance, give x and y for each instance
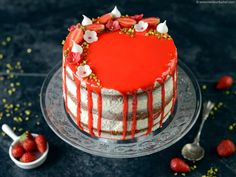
(126, 22)
(137, 17)
(105, 18)
(95, 27)
(75, 35)
(152, 21)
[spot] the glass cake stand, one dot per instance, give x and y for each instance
(180, 122)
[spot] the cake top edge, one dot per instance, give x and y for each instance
(88, 37)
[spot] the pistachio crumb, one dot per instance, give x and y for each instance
(29, 50)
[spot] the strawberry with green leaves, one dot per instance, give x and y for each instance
(27, 141)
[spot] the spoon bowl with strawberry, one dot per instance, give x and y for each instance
(27, 151)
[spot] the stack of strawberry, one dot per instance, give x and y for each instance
(28, 146)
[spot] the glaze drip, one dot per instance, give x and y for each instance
(125, 114)
(150, 109)
(90, 110)
(77, 82)
(162, 102)
(99, 103)
(134, 110)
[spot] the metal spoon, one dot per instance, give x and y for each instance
(193, 151)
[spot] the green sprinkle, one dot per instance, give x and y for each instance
(4, 43)
(204, 87)
(231, 127)
(29, 50)
(17, 83)
(27, 112)
(27, 118)
(227, 92)
(1, 56)
(8, 39)
(9, 92)
(4, 100)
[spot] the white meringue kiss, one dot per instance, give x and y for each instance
(141, 26)
(86, 21)
(76, 48)
(83, 71)
(90, 36)
(115, 12)
(162, 27)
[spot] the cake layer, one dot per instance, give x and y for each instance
(112, 104)
(112, 108)
(118, 136)
(116, 126)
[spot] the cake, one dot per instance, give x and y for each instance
(119, 75)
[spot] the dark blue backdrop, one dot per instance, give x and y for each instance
(30, 42)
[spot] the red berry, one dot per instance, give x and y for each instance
(225, 148)
(17, 151)
(95, 27)
(27, 142)
(152, 21)
(137, 17)
(75, 35)
(224, 82)
(178, 165)
(28, 157)
(29, 145)
(126, 22)
(105, 18)
(41, 143)
(29, 136)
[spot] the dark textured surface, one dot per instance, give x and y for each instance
(205, 38)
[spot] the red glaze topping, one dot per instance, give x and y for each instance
(126, 63)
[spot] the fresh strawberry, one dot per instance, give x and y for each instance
(152, 21)
(225, 148)
(178, 165)
(17, 150)
(95, 27)
(29, 136)
(126, 22)
(41, 143)
(27, 142)
(28, 157)
(137, 17)
(105, 18)
(224, 82)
